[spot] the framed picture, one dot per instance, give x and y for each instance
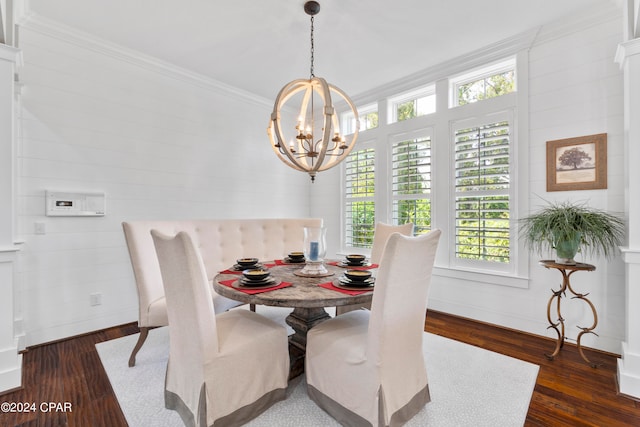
(577, 163)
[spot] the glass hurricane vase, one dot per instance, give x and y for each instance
(315, 248)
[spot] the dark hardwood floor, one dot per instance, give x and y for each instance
(568, 391)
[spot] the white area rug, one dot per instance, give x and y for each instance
(469, 386)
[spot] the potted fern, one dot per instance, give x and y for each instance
(569, 228)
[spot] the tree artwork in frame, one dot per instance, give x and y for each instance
(577, 163)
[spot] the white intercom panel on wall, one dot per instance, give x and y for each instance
(75, 204)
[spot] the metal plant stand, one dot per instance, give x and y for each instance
(567, 270)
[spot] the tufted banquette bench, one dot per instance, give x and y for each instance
(221, 243)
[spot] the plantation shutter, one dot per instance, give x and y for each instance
(359, 194)
(482, 192)
(411, 183)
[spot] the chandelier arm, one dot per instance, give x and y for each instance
(354, 136)
(290, 158)
(283, 155)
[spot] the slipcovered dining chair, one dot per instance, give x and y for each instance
(223, 369)
(367, 368)
(380, 236)
(152, 305)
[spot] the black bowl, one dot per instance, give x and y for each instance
(256, 274)
(247, 262)
(357, 275)
(296, 256)
(355, 259)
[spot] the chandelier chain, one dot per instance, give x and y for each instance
(312, 50)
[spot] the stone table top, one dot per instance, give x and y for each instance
(304, 291)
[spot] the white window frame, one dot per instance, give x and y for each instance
(478, 73)
(362, 145)
(422, 133)
(413, 95)
(469, 264)
(348, 119)
(440, 123)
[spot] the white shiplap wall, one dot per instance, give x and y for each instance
(161, 143)
(155, 141)
(575, 89)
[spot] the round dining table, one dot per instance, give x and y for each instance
(304, 295)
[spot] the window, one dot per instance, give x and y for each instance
(360, 205)
(487, 82)
(411, 183)
(454, 169)
(412, 104)
(482, 190)
(368, 119)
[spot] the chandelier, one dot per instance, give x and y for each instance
(315, 143)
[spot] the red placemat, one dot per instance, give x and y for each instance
(229, 271)
(329, 285)
(250, 291)
(353, 267)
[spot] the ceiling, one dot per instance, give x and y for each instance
(259, 45)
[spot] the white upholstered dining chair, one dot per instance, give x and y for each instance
(224, 369)
(152, 305)
(367, 367)
(380, 236)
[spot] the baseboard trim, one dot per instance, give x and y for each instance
(123, 325)
(11, 370)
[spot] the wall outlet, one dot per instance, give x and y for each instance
(95, 299)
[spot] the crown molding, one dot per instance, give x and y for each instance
(10, 54)
(493, 52)
(50, 28)
(627, 49)
(596, 15)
